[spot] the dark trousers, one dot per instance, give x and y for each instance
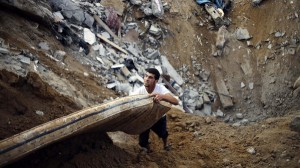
(160, 128)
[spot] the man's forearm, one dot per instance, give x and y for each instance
(169, 98)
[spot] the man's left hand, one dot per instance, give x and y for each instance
(157, 97)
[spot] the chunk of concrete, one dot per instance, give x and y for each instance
(171, 71)
(221, 37)
(4, 50)
(44, 45)
(24, 59)
(223, 93)
(89, 36)
(242, 34)
(154, 30)
(125, 71)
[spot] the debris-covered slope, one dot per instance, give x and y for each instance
(53, 66)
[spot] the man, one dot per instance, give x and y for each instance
(159, 93)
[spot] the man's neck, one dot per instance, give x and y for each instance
(150, 89)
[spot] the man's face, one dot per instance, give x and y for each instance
(149, 80)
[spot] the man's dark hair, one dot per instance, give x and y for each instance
(154, 71)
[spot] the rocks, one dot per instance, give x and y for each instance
(221, 37)
(44, 45)
(72, 12)
(251, 150)
(4, 50)
(89, 36)
(157, 8)
(40, 113)
(171, 71)
(242, 34)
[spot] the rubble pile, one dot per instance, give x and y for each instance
(112, 48)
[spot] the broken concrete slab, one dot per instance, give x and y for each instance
(205, 98)
(117, 66)
(206, 110)
(221, 37)
(242, 34)
(125, 71)
(171, 71)
(58, 17)
(157, 8)
(222, 91)
(246, 67)
(24, 59)
(89, 36)
(154, 30)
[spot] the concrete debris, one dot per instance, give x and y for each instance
(85, 74)
(89, 36)
(117, 66)
(279, 34)
(44, 46)
(157, 8)
(106, 35)
(242, 34)
(225, 100)
(219, 113)
(251, 150)
(206, 98)
(72, 12)
(239, 116)
(204, 75)
(102, 51)
(136, 2)
(125, 71)
(58, 17)
(154, 30)
(171, 71)
(206, 110)
(221, 37)
(40, 113)
(251, 85)
(242, 85)
(110, 60)
(24, 59)
(4, 50)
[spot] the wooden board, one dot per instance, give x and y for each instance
(132, 114)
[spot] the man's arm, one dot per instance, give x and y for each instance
(165, 97)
